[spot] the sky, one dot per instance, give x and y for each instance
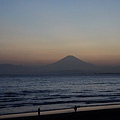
(44, 31)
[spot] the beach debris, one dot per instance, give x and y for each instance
(75, 108)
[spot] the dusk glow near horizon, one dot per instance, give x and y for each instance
(44, 31)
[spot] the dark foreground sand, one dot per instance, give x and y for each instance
(92, 113)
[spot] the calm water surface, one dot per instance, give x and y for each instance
(26, 94)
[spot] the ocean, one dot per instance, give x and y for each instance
(20, 94)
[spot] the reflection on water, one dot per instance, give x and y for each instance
(26, 94)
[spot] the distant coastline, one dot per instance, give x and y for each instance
(69, 65)
(56, 74)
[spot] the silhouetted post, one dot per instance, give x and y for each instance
(75, 108)
(38, 111)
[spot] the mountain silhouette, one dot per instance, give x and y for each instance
(70, 63)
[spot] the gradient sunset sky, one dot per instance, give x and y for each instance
(44, 31)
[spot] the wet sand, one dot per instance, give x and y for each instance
(109, 112)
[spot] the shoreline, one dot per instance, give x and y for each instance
(111, 111)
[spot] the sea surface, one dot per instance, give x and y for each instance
(27, 93)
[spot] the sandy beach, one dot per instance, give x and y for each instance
(109, 112)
